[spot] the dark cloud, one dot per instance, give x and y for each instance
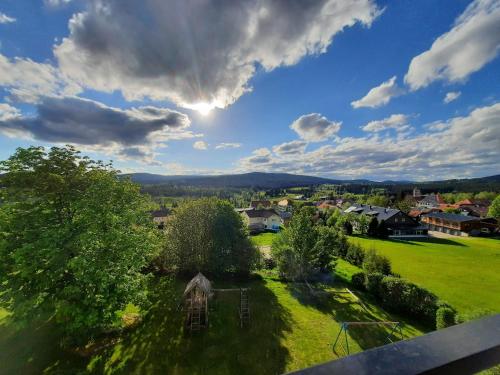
(290, 148)
(131, 132)
(194, 51)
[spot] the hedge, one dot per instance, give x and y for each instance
(405, 297)
(445, 317)
(358, 280)
(372, 283)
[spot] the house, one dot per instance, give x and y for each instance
(160, 216)
(431, 201)
(326, 205)
(398, 223)
(285, 204)
(417, 213)
(459, 225)
(261, 203)
(286, 216)
(261, 220)
(474, 207)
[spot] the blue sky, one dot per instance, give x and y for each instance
(336, 88)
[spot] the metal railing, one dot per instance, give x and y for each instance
(462, 349)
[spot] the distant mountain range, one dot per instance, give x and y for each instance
(285, 180)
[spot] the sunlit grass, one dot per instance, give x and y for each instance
(289, 329)
(465, 272)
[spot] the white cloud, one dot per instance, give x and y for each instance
(461, 146)
(56, 3)
(315, 128)
(27, 80)
(399, 122)
(7, 112)
(200, 145)
(451, 96)
(473, 41)
(380, 95)
(6, 19)
(198, 53)
(225, 145)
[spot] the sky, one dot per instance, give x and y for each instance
(400, 90)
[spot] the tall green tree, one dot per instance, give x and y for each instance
(303, 247)
(208, 235)
(494, 210)
(74, 239)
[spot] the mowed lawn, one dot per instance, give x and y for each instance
(263, 239)
(289, 329)
(465, 272)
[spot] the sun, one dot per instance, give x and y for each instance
(203, 108)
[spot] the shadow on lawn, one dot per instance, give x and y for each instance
(160, 345)
(34, 350)
(343, 308)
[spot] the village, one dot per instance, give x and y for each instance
(426, 215)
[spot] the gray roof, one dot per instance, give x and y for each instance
(452, 217)
(261, 213)
(201, 282)
(381, 213)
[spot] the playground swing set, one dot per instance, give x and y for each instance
(395, 332)
(197, 295)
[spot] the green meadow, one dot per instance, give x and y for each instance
(465, 272)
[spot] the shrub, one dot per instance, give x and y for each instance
(347, 226)
(355, 255)
(445, 317)
(374, 262)
(269, 263)
(372, 283)
(402, 296)
(373, 227)
(358, 280)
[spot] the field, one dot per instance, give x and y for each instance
(465, 272)
(290, 328)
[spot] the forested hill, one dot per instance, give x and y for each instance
(245, 180)
(258, 180)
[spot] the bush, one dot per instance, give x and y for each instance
(402, 296)
(445, 317)
(355, 255)
(358, 280)
(347, 226)
(372, 283)
(269, 263)
(374, 262)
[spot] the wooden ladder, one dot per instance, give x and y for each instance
(244, 307)
(195, 318)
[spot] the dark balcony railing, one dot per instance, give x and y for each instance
(462, 349)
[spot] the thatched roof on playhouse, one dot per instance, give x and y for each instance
(201, 282)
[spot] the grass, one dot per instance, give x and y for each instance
(290, 329)
(263, 239)
(465, 272)
(344, 270)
